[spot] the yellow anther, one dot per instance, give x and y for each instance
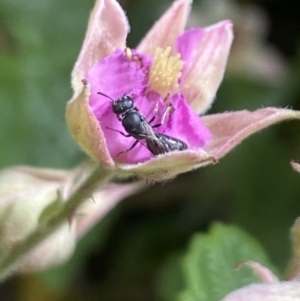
(165, 72)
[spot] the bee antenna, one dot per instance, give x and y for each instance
(104, 95)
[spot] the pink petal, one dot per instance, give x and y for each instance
(295, 166)
(186, 125)
(230, 129)
(187, 43)
(263, 273)
(107, 31)
(165, 31)
(85, 128)
(283, 291)
(115, 76)
(205, 51)
(167, 166)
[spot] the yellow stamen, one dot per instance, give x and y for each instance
(165, 72)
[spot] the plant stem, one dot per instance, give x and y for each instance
(89, 186)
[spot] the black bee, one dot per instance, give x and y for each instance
(136, 125)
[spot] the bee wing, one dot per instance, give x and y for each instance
(164, 144)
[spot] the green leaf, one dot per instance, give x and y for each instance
(170, 281)
(208, 266)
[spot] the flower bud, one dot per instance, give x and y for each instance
(25, 193)
(283, 291)
(270, 289)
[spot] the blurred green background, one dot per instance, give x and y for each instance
(133, 253)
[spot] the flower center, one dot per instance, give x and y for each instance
(165, 72)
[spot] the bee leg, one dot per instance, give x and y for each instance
(151, 120)
(123, 134)
(129, 149)
(155, 125)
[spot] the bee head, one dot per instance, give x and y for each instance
(122, 105)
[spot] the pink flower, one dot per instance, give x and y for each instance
(121, 72)
(173, 76)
